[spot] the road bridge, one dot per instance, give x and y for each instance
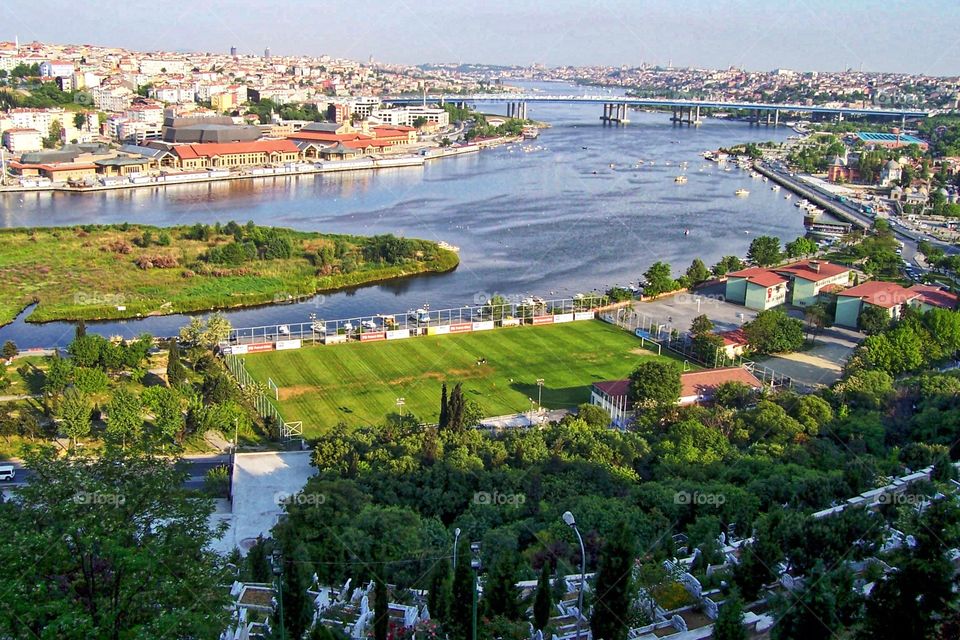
(683, 111)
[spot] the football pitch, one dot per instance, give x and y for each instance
(359, 383)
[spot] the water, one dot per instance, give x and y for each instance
(556, 219)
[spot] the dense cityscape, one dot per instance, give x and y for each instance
(304, 346)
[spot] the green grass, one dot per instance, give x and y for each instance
(358, 383)
(88, 272)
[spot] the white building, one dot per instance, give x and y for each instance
(112, 98)
(56, 69)
(173, 94)
(159, 66)
(405, 116)
(20, 141)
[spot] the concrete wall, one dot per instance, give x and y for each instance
(736, 290)
(848, 312)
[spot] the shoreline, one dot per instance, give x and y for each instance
(300, 169)
(252, 305)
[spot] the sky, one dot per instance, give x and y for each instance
(915, 36)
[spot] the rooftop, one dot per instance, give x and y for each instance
(935, 296)
(759, 276)
(703, 383)
(880, 294)
(903, 138)
(813, 270)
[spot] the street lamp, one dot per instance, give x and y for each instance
(475, 565)
(277, 557)
(400, 403)
(572, 523)
(456, 539)
(539, 391)
(530, 419)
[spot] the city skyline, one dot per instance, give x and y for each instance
(801, 35)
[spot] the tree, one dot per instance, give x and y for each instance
(438, 598)
(764, 251)
(500, 592)
(733, 395)
(176, 372)
(658, 280)
(726, 265)
(9, 351)
(729, 624)
(820, 608)
(297, 605)
(258, 562)
(697, 272)
(444, 422)
(655, 383)
(164, 402)
(700, 325)
(543, 601)
(614, 591)
(461, 604)
(112, 546)
(124, 416)
(801, 247)
(706, 347)
(456, 407)
(381, 608)
(54, 135)
(773, 331)
(594, 416)
(75, 414)
(817, 318)
(873, 319)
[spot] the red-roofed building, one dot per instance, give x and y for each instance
(798, 283)
(695, 387)
(235, 154)
(734, 343)
(756, 288)
(886, 295)
(929, 297)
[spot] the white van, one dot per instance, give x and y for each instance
(7, 471)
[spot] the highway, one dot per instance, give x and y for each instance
(909, 237)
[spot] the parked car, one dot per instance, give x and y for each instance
(7, 472)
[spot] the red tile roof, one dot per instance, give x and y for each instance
(737, 337)
(935, 296)
(813, 270)
(759, 276)
(703, 383)
(210, 149)
(613, 388)
(327, 136)
(880, 294)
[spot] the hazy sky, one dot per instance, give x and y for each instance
(919, 36)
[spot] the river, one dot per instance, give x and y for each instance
(571, 211)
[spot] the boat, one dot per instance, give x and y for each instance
(686, 232)
(680, 179)
(741, 192)
(370, 325)
(775, 187)
(420, 315)
(788, 196)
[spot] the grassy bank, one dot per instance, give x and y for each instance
(359, 383)
(127, 271)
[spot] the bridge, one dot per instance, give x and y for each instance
(684, 111)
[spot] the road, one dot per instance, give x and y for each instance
(195, 465)
(910, 238)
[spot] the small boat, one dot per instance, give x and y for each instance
(775, 187)
(741, 192)
(680, 179)
(788, 196)
(369, 325)
(686, 232)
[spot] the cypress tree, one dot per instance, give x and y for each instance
(176, 372)
(461, 607)
(381, 611)
(729, 625)
(500, 592)
(444, 409)
(80, 330)
(614, 585)
(456, 406)
(542, 604)
(297, 607)
(258, 565)
(438, 600)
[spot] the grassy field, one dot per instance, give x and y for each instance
(359, 383)
(88, 272)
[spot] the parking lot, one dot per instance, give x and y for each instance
(822, 364)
